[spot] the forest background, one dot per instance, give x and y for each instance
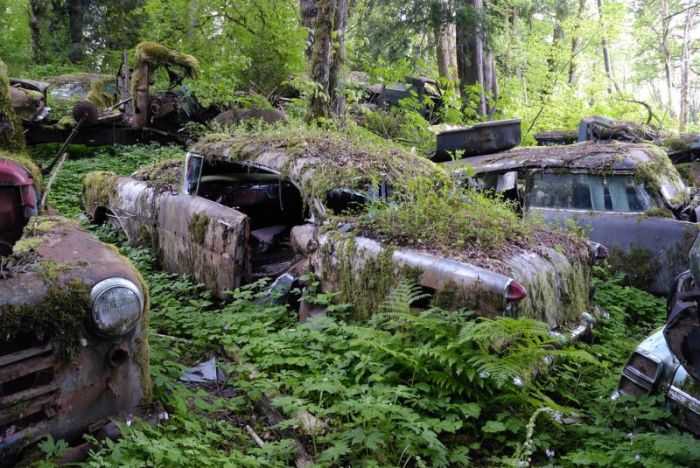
(547, 62)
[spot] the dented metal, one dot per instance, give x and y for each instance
(43, 390)
(648, 224)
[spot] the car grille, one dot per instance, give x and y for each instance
(641, 374)
(28, 386)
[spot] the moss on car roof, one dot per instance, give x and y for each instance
(596, 156)
(163, 175)
(159, 55)
(646, 161)
(318, 160)
(26, 161)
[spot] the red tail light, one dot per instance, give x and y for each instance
(515, 292)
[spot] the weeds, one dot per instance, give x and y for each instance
(406, 388)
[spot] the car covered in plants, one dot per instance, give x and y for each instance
(682, 148)
(73, 343)
(289, 199)
(668, 361)
(628, 197)
(122, 108)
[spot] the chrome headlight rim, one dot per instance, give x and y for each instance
(103, 287)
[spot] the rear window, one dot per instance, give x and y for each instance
(589, 192)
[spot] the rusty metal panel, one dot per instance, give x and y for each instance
(136, 208)
(476, 287)
(65, 397)
(660, 245)
(204, 238)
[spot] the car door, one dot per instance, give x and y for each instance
(205, 239)
(189, 234)
(652, 251)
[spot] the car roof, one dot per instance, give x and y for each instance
(589, 156)
(321, 161)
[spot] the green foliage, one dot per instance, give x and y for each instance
(15, 37)
(426, 215)
(408, 386)
(66, 191)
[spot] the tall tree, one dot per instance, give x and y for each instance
(606, 52)
(319, 105)
(475, 60)
(686, 58)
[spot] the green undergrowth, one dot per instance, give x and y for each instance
(123, 160)
(407, 387)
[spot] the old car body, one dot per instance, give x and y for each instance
(126, 108)
(628, 197)
(73, 351)
(258, 207)
(668, 361)
(682, 148)
(73, 347)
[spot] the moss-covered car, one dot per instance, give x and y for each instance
(259, 206)
(122, 108)
(668, 361)
(73, 347)
(628, 197)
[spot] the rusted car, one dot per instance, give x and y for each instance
(122, 108)
(628, 197)
(683, 148)
(73, 345)
(668, 361)
(260, 206)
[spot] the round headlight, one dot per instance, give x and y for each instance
(116, 306)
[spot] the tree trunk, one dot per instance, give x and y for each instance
(334, 79)
(319, 106)
(441, 30)
(470, 50)
(665, 50)
(575, 39)
(36, 12)
(684, 114)
(77, 12)
(193, 20)
(308, 9)
(606, 52)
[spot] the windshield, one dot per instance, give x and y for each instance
(589, 192)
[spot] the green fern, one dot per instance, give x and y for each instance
(402, 297)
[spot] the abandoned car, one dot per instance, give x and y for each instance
(260, 206)
(122, 109)
(628, 197)
(73, 343)
(668, 361)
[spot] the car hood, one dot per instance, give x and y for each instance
(54, 252)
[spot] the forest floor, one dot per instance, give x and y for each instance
(402, 389)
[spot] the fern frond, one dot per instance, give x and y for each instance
(402, 297)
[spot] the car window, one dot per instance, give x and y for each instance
(588, 192)
(192, 173)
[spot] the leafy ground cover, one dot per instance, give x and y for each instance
(405, 388)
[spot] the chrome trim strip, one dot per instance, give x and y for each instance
(684, 399)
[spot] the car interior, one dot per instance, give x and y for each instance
(595, 192)
(273, 205)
